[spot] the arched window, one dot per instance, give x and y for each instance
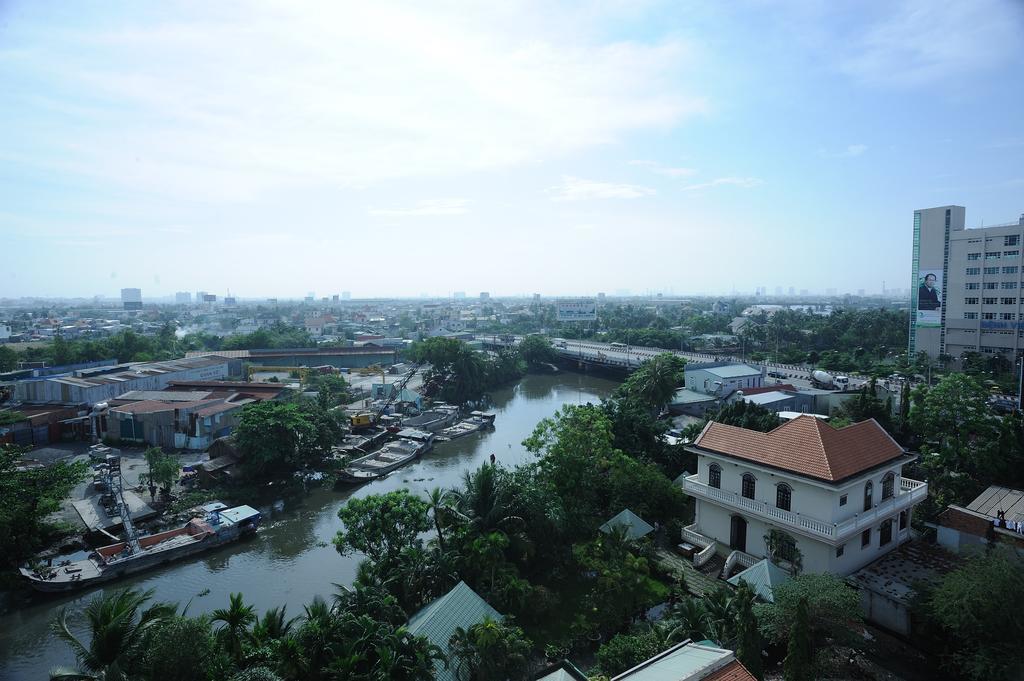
(749, 483)
(888, 486)
(715, 476)
(867, 496)
(784, 497)
(903, 520)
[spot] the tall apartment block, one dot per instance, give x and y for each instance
(966, 286)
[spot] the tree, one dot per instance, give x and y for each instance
(536, 350)
(799, 662)
(980, 611)
(625, 651)
(269, 435)
(118, 627)
(655, 381)
(381, 525)
(833, 608)
(747, 415)
(182, 649)
(29, 497)
(439, 505)
(8, 359)
(236, 618)
(163, 468)
(748, 643)
(489, 650)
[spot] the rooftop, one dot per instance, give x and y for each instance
(895, 574)
(806, 446)
(995, 498)
(733, 370)
(763, 576)
(763, 398)
(460, 607)
(636, 527)
(689, 661)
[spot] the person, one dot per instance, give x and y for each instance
(493, 458)
(927, 294)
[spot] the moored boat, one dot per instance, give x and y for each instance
(466, 426)
(390, 457)
(218, 525)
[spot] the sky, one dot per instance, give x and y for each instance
(279, 147)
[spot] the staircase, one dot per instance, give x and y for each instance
(698, 581)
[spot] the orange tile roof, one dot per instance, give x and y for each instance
(806, 446)
(734, 671)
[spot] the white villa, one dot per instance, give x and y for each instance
(834, 499)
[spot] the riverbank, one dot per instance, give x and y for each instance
(291, 559)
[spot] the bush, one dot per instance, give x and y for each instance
(625, 651)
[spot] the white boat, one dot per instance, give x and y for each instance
(219, 525)
(465, 427)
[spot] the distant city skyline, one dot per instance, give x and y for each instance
(390, 148)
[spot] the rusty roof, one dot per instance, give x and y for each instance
(806, 446)
(734, 671)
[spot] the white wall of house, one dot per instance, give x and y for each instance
(810, 499)
(703, 380)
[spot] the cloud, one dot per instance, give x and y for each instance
(850, 151)
(742, 182)
(665, 170)
(205, 102)
(578, 189)
(425, 207)
(924, 41)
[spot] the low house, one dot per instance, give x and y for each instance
(460, 608)
(689, 661)
(762, 577)
(997, 515)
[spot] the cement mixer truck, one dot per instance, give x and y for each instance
(826, 381)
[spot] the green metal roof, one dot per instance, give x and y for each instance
(460, 607)
(762, 577)
(636, 526)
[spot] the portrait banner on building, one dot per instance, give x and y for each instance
(929, 297)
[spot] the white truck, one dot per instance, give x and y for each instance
(825, 380)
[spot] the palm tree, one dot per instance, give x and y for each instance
(273, 626)
(656, 380)
(117, 625)
(483, 502)
(236, 618)
(439, 504)
(691, 619)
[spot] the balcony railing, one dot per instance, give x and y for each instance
(911, 492)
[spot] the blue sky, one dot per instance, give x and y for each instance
(272, 148)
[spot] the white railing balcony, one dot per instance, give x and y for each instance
(911, 492)
(704, 555)
(691, 535)
(737, 557)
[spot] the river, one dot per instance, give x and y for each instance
(292, 558)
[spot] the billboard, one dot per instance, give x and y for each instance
(576, 310)
(929, 297)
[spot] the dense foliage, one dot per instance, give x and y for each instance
(28, 496)
(459, 374)
(278, 436)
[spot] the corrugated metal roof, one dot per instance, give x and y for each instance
(766, 398)
(996, 498)
(762, 577)
(636, 527)
(459, 608)
(687, 396)
(685, 661)
(734, 371)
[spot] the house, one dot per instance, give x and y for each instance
(721, 378)
(804, 494)
(997, 515)
(689, 661)
(635, 526)
(460, 608)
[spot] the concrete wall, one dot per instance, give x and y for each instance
(702, 380)
(885, 612)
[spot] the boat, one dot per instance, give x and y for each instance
(218, 525)
(477, 421)
(391, 456)
(434, 419)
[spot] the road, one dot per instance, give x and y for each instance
(634, 356)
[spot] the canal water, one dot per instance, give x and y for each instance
(292, 559)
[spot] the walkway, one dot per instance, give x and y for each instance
(697, 582)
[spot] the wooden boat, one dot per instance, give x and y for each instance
(219, 525)
(390, 457)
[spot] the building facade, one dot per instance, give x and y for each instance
(965, 286)
(831, 499)
(131, 298)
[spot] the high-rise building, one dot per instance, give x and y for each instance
(484, 296)
(792, 290)
(131, 298)
(966, 286)
(183, 298)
